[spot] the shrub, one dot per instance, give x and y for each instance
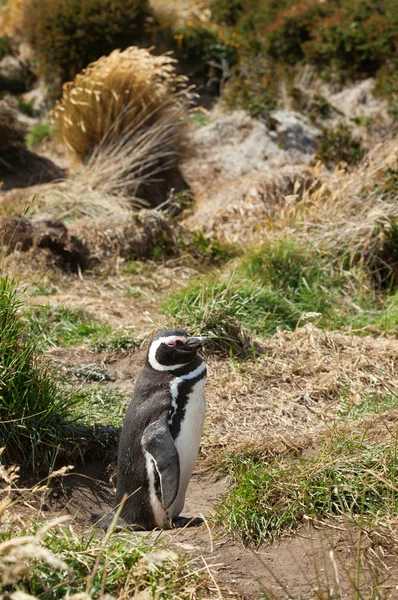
(337, 145)
(207, 42)
(68, 34)
(6, 46)
(36, 416)
(123, 115)
(344, 40)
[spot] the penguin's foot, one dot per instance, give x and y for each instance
(181, 522)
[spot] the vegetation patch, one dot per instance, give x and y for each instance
(62, 326)
(342, 40)
(67, 35)
(37, 416)
(53, 565)
(39, 133)
(279, 284)
(338, 145)
(103, 405)
(347, 476)
(368, 403)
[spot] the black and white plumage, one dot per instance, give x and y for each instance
(161, 432)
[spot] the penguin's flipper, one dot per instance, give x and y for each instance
(158, 442)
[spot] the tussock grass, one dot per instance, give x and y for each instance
(37, 416)
(353, 215)
(348, 475)
(123, 117)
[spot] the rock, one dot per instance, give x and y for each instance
(16, 233)
(15, 76)
(236, 145)
(12, 131)
(358, 100)
(295, 134)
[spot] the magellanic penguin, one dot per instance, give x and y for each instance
(161, 432)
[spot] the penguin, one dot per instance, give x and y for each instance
(161, 433)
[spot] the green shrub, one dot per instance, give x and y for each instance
(67, 35)
(6, 46)
(337, 145)
(344, 40)
(202, 43)
(37, 417)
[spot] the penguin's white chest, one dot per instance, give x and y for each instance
(188, 440)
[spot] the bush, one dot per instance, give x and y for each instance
(36, 417)
(69, 34)
(337, 145)
(123, 115)
(344, 40)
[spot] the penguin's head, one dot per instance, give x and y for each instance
(173, 348)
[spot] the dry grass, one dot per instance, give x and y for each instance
(340, 211)
(288, 396)
(176, 12)
(117, 99)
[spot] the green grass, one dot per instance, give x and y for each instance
(369, 403)
(281, 284)
(38, 133)
(122, 566)
(62, 326)
(103, 405)
(347, 476)
(37, 415)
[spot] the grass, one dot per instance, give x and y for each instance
(62, 326)
(57, 564)
(348, 475)
(104, 405)
(38, 133)
(368, 403)
(282, 284)
(37, 415)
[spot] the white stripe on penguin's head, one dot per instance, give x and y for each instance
(153, 348)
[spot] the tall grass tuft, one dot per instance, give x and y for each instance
(122, 116)
(37, 418)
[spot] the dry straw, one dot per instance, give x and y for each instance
(122, 116)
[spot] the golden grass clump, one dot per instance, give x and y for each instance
(123, 117)
(115, 96)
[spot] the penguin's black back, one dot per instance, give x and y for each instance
(151, 398)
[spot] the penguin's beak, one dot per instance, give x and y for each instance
(194, 343)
